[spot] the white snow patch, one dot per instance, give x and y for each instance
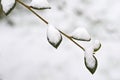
(53, 34)
(40, 4)
(7, 5)
(96, 44)
(81, 34)
(90, 60)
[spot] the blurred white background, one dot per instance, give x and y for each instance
(25, 53)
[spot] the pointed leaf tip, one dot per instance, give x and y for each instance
(91, 64)
(53, 36)
(81, 34)
(56, 45)
(8, 6)
(40, 4)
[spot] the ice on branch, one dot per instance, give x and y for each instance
(90, 60)
(7, 5)
(96, 45)
(81, 34)
(54, 37)
(40, 4)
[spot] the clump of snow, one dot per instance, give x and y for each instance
(81, 34)
(53, 35)
(89, 57)
(90, 60)
(7, 5)
(96, 45)
(40, 4)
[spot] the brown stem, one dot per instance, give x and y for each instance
(45, 21)
(71, 40)
(28, 7)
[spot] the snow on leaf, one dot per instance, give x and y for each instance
(81, 34)
(91, 64)
(40, 4)
(90, 60)
(97, 45)
(7, 5)
(54, 37)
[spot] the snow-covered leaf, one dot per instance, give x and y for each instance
(40, 4)
(97, 45)
(91, 63)
(90, 60)
(54, 37)
(8, 5)
(81, 34)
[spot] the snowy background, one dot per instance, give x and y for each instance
(25, 53)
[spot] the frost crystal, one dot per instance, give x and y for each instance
(81, 34)
(90, 60)
(7, 5)
(53, 35)
(40, 4)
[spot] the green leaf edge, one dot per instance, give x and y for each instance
(95, 50)
(40, 8)
(81, 39)
(53, 44)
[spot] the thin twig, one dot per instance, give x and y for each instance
(28, 7)
(45, 21)
(72, 40)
